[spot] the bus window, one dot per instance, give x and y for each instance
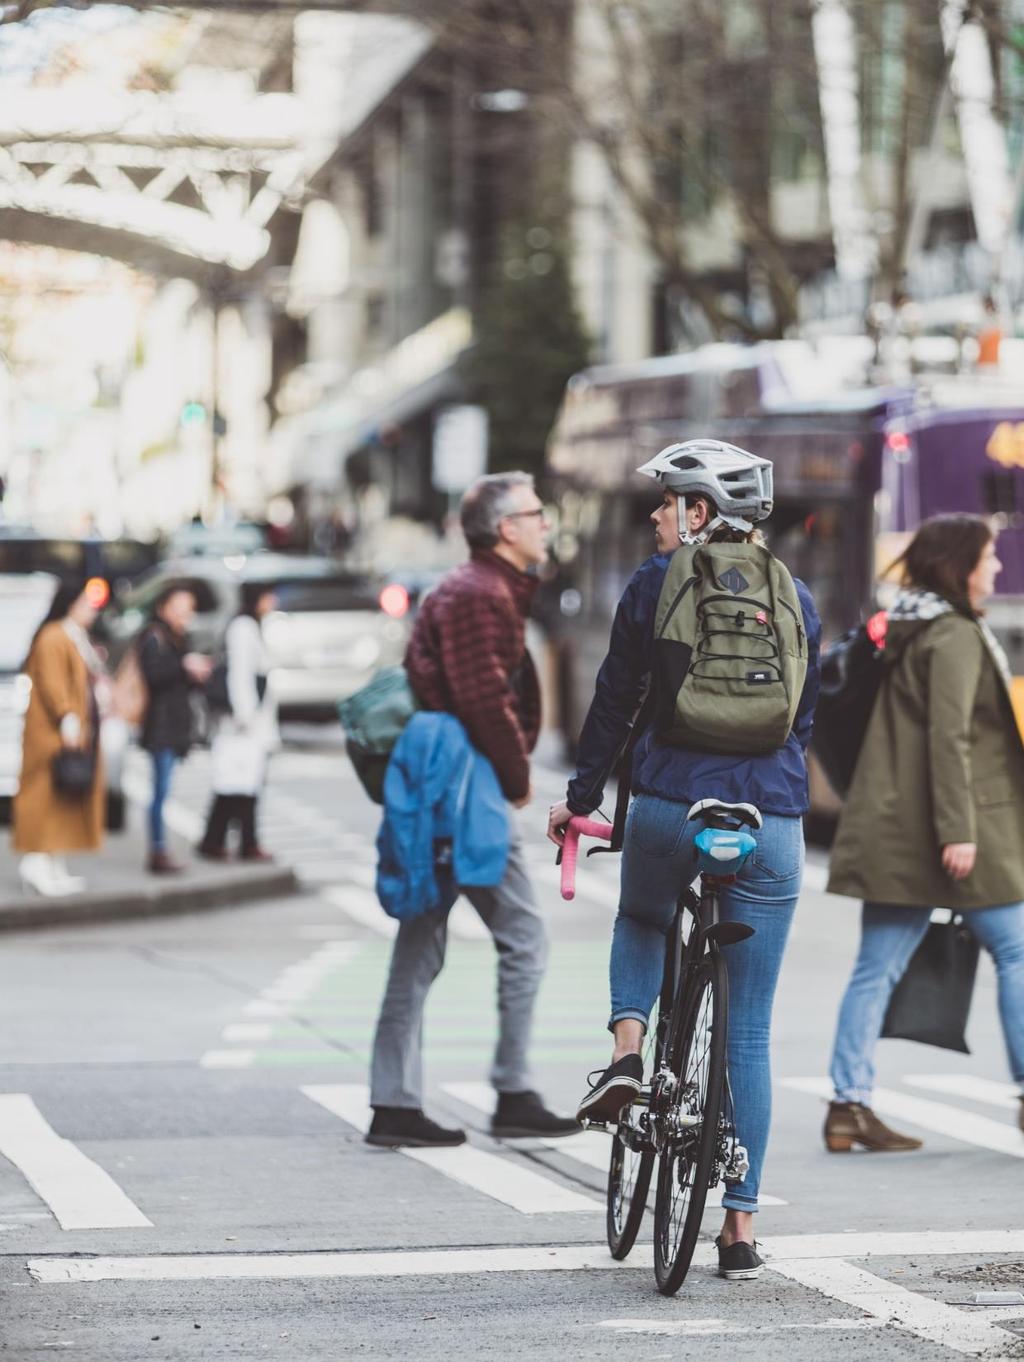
(999, 492)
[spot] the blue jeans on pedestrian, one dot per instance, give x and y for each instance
(890, 934)
(657, 862)
(164, 761)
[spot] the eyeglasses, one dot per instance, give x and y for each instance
(519, 515)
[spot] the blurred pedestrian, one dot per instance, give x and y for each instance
(467, 657)
(245, 734)
(62, 718)
(990, 335)
(935, 814)
(171, 673)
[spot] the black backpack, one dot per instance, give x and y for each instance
(851, 676)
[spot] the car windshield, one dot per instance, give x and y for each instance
(303, 596)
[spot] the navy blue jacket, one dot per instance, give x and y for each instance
(775, 782)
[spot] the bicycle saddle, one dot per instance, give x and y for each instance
(717, 814)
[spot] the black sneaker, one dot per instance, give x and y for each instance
(615, 1088)
(522, 1114)
(739, 1262)
(393, 1127)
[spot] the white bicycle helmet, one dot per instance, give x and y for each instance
(738, 483)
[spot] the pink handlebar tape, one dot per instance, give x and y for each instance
(576, 828)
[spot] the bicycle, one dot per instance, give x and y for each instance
(684, 1115)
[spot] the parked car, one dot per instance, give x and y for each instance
(331, 631)
(24, 600)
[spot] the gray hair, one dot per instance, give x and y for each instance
(486, 503)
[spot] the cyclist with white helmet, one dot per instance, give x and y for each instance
(713, 493)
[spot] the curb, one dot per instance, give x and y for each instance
(157, 900)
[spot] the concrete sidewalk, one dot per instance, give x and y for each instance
(118, 885)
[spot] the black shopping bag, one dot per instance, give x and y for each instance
(931, 1003)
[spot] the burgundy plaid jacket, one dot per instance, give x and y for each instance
(467, 656)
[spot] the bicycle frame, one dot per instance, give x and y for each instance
(654, 1119)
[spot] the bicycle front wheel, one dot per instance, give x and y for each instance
(629, 1179)
(687, 1159)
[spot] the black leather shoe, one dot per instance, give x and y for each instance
(393, 1127)
(739, 1262)
(614, 1089)
(522, 1114)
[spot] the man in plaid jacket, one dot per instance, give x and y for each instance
(467, 656)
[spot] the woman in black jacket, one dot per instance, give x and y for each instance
(170, 672)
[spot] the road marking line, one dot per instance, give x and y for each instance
(590, 1147)
(285, 1266)
(81, 1195)
(815, 877)
(588, 885)
(362, 905)
(953, 1122)
(932, 1320)
(247, 1031)
(287, 991)
(564, 1258)
(704, 1327)
(227, 1059)
(264, 1007)
(499, 1178)
(1005, 1095)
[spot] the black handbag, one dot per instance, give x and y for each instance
(74, 772)
(851, 677)
(932, 1001)
(216, 693)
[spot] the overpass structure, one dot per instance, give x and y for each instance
(173, 184)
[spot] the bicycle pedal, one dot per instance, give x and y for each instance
(587, 1124)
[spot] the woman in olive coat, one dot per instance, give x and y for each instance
(935, 813)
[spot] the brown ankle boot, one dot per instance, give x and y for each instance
(850, 1123)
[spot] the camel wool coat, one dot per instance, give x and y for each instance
(43, 819)
(942, 762)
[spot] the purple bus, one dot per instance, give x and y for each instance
(855, 472)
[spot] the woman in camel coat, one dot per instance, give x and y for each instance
(63, 668)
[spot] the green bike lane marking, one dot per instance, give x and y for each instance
(334, 1024)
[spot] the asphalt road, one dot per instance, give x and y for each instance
(182, 1174)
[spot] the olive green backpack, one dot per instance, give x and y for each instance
(730, 654)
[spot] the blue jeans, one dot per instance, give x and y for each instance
(164, 762)
(890, 935)
(657, 861)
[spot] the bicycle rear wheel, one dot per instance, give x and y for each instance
(686, 1163)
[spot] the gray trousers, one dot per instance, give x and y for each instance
(509, 911)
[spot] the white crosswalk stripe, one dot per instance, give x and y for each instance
(954, 1122)
(984, 1090)
(81, 1195)
(589, 1147)
(283, 995)
(500, 1178)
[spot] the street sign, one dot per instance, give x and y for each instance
(460, 447)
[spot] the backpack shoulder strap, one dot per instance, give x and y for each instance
(682, 571)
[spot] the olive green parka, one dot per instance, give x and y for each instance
(942, 762)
